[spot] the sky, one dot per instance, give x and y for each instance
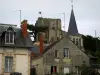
(87, 13)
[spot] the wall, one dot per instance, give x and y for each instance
(21, 59)
(16, 50)
(80, 40)
(55, 29)
(76, 56)
(0, 64)
(39, 66)
(22, 64)
(21, 50)
(47, 69)
(1, 50)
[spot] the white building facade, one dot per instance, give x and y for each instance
(14, 51)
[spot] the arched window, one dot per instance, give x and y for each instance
(9, 36)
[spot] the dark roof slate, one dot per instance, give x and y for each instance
(20, 41)
(35, 49)
(48, 48)
(51, 45)
(72, 25)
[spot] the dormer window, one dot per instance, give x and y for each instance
(9, 36)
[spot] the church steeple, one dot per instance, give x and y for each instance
(72, 29)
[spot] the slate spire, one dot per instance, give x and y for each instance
(72, 29)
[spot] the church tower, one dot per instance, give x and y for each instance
(73, 33)
(72, 25)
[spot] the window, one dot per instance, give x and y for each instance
(80, 42)
(53, 28)
(74, 40)
(53, 69)
(77, 41)
(56, 53)
(66, 70)
(8, 64)
(66, 52)
(9, 37)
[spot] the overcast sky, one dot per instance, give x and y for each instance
(87, 12)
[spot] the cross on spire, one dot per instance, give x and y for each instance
(72, 3)
(72, 29)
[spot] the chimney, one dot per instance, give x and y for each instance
(24, 28)
(41, 43)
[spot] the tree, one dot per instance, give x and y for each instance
(85, 70)
(30, 27)
(91, 44)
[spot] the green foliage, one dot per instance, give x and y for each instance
(91, 44)
(23, 21)
(31, 27)
(36, 29)
(97, 54)
(85, 70)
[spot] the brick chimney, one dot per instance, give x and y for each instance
(41, 38)
(24, 28)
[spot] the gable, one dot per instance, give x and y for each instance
(75, 54)
(67, 43)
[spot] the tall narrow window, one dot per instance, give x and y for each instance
(66, 52)
(56, 53)
(9, 37)
(80, 42)
(53, 69)
(8, 64)
(74, 40)
(77, 41)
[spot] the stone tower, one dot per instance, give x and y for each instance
(50, 28)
